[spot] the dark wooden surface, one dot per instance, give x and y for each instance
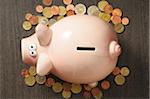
(134, 41)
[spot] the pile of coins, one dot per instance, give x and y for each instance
(48, 14)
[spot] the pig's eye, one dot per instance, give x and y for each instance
(32, 47)
(32, 53)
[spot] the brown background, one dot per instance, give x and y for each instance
(134, 42)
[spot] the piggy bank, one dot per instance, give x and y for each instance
(78, 49)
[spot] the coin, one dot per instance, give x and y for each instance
(119, 80)
(32, 70)
(76, 88)
(125, 71)
(60, 17)
(87, 87)
(28, 16)
(30, 80)
(119, 28)
(43, 20)
(108, 9)
(125, 21)
(92, 10)
(24, 72)
(93, 84)
(47, 13)
(57, 87)
(87, 95)
(67, 2)
(62, 10)
(102, 4)
(67, 86)
(117, 12)
(105, 84)
(106, 17)
(52, 21)
(70, 7)
(97, 93)
(26, 25)
(80, 9)
(49, 82)
(54, 10)
(116, 19)
(70, 12)
(40, 79)
(47, 2)
(116, 71)
(39, 8)
(33, 20)
(66, 94)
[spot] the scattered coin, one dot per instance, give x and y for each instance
(87, 95)
(97, 93)
(70, 7)
(80, 9)
(119, 80)
(67, 2)
(47, 2)
(87, 87)
(49, 82)
(67, 86)
(119, 28)
(116, 19)
(108, 9)
(32, 70)
(33, 20)
(66, 94)
(30, 80)
(125, 21)
(54, 10)
(43, 20)
(39, 8)
(105, 84)
(47, 12)
(117, 12)
(116, 71)
(40, 79)
(28, 16)
(76, 88)
(92, 85)
(102, 4)
(125, 71)
(70, 12)
(57, 87)
(51, 21)
(26, 25)
(106, 17)
(92, 10)
(25, 72)
(62, 10)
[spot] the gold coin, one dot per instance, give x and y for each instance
(106, 17)
(102, 4)
(47, 12)
(62, 10)
(57, 87)
(97, 93)
(92, 10)
(119, 80)
(51, 21)
(30, 80)
(40, 79)
(32, 70)
(67, 86)
(119, 28)
(66, 94)
(76, 88)
(125, 71)
(42, 20)
(26, 25)
(80, 9)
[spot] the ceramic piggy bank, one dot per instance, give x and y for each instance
(78, 49)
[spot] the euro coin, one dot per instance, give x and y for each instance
(119, 28)
(28, 16)
(116, 71)
(119, 79)
(125, 71)
(66, 94)
(52, 21)
(39, 8)
(102, 4)
(106, 17)
(33, 20)
(108, 9)
(92, 10)
(125, 21)
(47, 2)
(76, 88)
(54, 10)
(117, 12)
(70, 7)
(26, 25)
(30, 80)
(67, 86)
(70, 12)
(49, 82)
(97, 93)
(80, 9)
(67, 2)
(62, 10)
(116, 19)
(32, 70)
(87, 87)
(105, 84)
(57, 87)
(47, 12)
(25, 72)
(40, 79)
(43, 20)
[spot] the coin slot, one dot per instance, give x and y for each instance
(86, 48)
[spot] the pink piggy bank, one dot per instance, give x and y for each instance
(78, 49)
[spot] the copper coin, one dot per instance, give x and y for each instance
(54, 10)
(39, 8)
(47, 2)
(24, 72)
(108, 9)
(116, 71)
(33, 20)
(125, 21)
(49, 82)
(67, 2)
(105, 84)
(116, 19)
(70, 12)
(117, 12)
(28, 16)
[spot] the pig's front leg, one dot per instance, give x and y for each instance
(114, 49)
(44, 64)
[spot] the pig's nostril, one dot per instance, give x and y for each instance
(86, 48)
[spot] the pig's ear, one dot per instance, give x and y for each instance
(114, 49)
(44, 64)
(43, 34)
